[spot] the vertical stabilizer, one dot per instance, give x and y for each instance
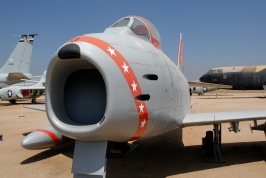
(41, 83)
(20, 58)
(180, 55)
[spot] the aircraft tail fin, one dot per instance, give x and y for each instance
(41, 83)
(20, 58)
(180, 54)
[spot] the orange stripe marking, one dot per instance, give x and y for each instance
(51, 135)
(129, 76)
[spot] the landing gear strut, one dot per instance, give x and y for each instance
(33, 101)
(12, 101)
(119, 149)
(211, 145)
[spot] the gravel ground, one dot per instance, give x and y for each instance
(174, 154)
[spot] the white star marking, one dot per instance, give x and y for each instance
(143, 123)
(125, 67)
(112, 51)
(9, 93)
(134, 86)
(141, 108)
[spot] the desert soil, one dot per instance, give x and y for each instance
(174, 154)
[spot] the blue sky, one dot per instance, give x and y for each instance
(215, 33)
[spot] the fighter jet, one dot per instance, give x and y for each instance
(14, 93)
(17, 66)
(118, 86)
(201, 90)
(240, 77)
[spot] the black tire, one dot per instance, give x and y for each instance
(12, 101)
(209, 144)
(33, 101)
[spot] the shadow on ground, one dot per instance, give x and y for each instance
(231, 97)
(166, 155)
(66, 149)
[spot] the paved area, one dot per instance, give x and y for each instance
(163, 156)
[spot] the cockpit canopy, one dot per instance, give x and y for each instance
(142, 28)
(214, 71)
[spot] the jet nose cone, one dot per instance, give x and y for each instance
(203, 78)
(29, 141)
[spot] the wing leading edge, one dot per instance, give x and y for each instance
(36, 107)
(197, 119)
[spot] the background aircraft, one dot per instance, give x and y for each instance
(201, 90)
(196, 87)
(119, 86)
(18, 64)
(14, 93)
(240, 77)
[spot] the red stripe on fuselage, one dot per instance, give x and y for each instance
(51, 135)
(129, 76)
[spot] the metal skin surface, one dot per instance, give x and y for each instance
(169, 94)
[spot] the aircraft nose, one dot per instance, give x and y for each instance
(203, 78)
(86, 105)
(83, 72)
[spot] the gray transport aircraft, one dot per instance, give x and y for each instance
(16, 69)
(14, 93)
(239, 77)
(114, 87)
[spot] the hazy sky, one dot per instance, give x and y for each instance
(215, 33)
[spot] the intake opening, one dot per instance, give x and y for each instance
(85, 96)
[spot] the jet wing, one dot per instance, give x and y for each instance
(198, 119)
(33, 88)
(36, 107)
(26, 80)
(16, 76)
(210, 85)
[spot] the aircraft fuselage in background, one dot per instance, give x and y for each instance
(16, 92)
(240, 77)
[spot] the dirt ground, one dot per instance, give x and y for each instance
(163, 156)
